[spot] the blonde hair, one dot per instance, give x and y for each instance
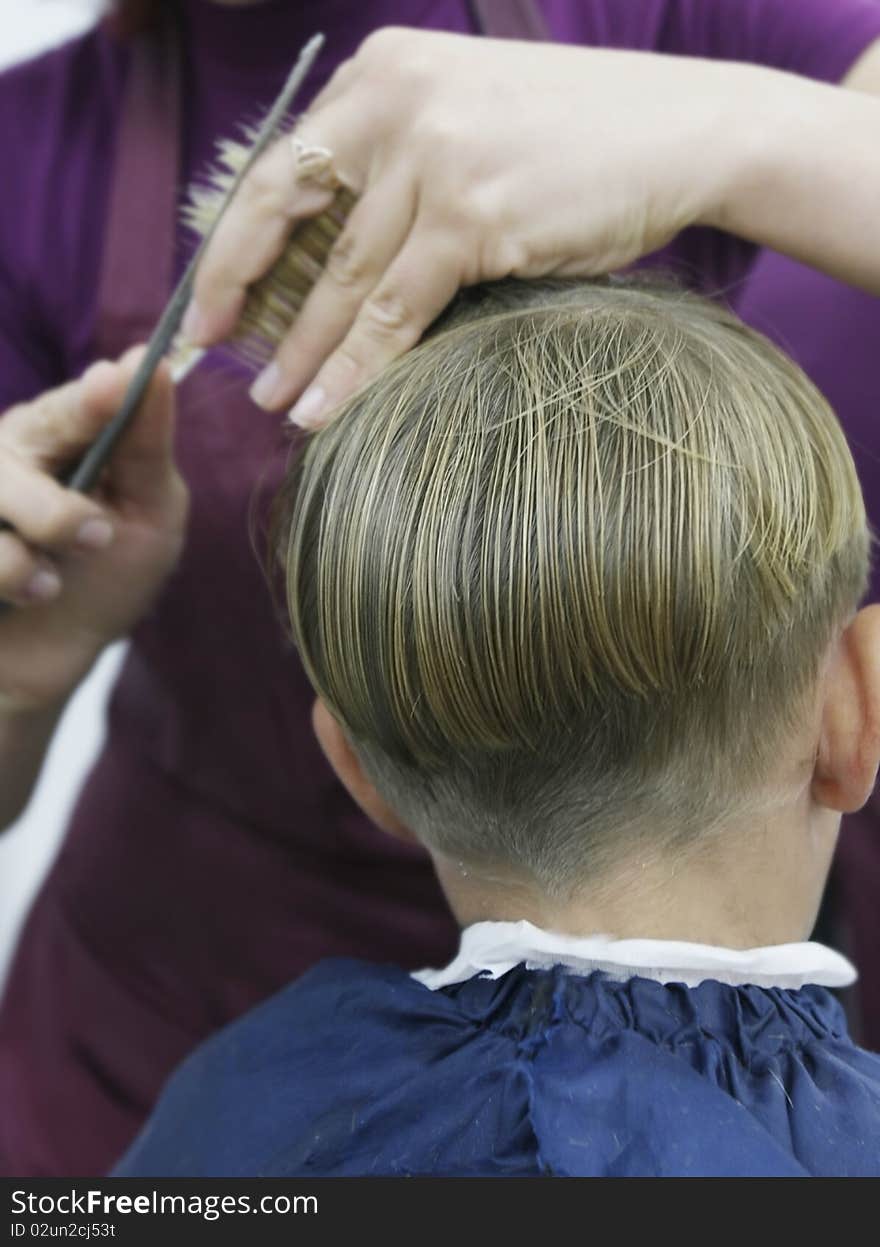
(566, 572)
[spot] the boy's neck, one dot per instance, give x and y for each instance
(739, 887)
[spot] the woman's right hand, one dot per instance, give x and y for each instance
(79, 569)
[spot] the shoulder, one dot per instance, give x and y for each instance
(651, 1114)
(310, 1022)
(59, 89)
(705, 1082)
(810, 37)
(59, 114)
(306, 1081)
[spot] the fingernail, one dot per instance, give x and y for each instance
(309, 408)
(43, 585)
(266, 386)
(194, 325)
(95, 533)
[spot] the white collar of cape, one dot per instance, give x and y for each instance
(492, 948)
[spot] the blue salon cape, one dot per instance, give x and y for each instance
(359, 1070)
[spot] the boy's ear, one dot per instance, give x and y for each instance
(349, 771)
(849, 741)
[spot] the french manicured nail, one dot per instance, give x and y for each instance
(309, 408)
(267, 386)
(95, 534)
(43, 585)
(194, 325)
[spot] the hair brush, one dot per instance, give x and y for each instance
(273, 302)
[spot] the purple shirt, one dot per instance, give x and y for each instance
(213, 857)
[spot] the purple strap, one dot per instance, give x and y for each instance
(137, 268)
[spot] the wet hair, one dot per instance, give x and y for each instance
(566, 572)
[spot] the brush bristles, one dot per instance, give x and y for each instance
(273, 302)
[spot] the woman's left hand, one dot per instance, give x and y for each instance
(475, 159)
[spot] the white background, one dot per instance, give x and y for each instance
(29, 26)
(26, 850)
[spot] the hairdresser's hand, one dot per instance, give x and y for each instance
(81, 570)
(475, 159)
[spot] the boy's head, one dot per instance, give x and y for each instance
(571, 577)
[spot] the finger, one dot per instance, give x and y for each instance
(373, 235)
(25, 578)
(249, 239)
(341, 81)
(379, 57)
(49, 430)
(415, 289)
(43, 513)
